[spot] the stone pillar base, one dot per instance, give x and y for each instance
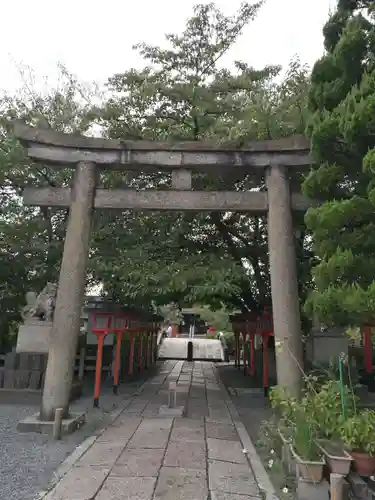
(34, 337)
(34, 424)
(307, 490)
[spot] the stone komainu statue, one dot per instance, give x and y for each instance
(42, 306)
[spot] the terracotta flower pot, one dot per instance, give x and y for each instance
(364, 464)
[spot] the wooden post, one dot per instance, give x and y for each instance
(265, 364)
(172, 395)
(147, 348)
(252, 354)
(140, 351)
(57, 423)
(245, 355)
(117, 361)
(131, 353)
(98, 369)
(238, 350)
(367, 348)
(81, 368)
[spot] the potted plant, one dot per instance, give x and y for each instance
(358, 435)
(285, 407)
(307, 454)
(324, 408)
(285, 433)
(337, 458)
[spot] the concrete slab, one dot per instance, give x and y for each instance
(306, 490)
(138, 463)
(186, 456)
(186, 430)
(102, 454)
(131, 488)
(152, 433)
(225, 451)
(165, 411)
(231, 478)
(219, 495)
(218, 414)
(181, 484)
(221, 431)
(34, 424)
(80, 483)
(120, 431)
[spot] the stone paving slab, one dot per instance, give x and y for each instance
(139, 463)
(148, 457)
(127, 488)
(231, 478)
(185, 430)
(219, 495)
(81, 483)
(181, 484)
(121, 430)
(221, 431)
(226, 451)
(191, 455)
(151, 433)
(103, 454)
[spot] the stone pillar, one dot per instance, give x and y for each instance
(66, 323)
(284, 287)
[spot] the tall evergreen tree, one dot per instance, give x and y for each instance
(342, 99)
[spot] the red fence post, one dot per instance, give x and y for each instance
(100, 333)
(118, 333)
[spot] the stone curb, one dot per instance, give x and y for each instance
(256, 464)
(68, 464)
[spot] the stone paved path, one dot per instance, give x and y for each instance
(143, 456)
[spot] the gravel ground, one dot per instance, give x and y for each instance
(28, 460)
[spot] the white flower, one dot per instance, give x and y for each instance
(285, 489)
(272, 452)
(270, 463)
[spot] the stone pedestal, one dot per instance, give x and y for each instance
(34, 337)
(306, 490)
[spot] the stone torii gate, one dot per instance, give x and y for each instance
(277, 160)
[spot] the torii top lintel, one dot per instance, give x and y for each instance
(66, 149)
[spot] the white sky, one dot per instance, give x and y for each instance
(94, 39)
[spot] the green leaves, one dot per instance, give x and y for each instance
(183, 92)
(343, 137)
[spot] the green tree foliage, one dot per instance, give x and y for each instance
(342, 129)
(31, 238)
(184, 93)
